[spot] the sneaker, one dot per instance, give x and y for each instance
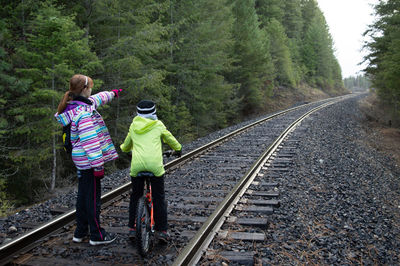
(162, 236)
(77, 239)
(132, 233)
(106, 240)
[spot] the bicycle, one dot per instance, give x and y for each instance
(144, 213)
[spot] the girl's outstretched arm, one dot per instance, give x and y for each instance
(102, 98)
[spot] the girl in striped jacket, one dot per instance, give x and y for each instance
(91, 148)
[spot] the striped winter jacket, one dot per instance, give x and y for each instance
(91, 141)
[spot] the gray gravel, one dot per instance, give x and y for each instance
(341, 202)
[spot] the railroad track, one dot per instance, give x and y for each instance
(202, 187)
(244, 229)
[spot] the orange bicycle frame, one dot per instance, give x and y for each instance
(150, 201)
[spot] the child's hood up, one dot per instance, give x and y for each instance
(142, 125)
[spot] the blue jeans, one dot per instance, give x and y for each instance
(88, 206)
(158, 196)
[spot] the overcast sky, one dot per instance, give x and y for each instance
(347, 20)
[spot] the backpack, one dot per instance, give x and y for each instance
(66, 139)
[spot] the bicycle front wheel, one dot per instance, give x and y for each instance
(143, 226)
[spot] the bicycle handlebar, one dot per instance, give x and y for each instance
(169, 153)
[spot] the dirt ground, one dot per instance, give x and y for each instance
(382, 133)
(284, 98)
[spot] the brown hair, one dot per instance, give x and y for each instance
(76, 86)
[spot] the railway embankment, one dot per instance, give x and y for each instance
(342, 196)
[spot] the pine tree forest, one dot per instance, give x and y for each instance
(383, 68)
(358, 83)
(206, 63)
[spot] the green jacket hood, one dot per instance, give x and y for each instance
(142, 125)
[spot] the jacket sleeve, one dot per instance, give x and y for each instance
(168, 138)
(64, 118)
(102, 98)
(128, 144)
(89, 141)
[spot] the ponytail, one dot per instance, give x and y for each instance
(77, 83)
(68, 96)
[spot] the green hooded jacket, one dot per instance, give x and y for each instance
(144, 141)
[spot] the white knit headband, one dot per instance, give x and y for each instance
(86, 80)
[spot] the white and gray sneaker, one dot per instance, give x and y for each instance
(77, 239)
(108, 238)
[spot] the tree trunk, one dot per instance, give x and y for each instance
(23, 18)
(53, 172)
(118, 84)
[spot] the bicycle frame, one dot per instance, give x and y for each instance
(144, 217)
(149, 202)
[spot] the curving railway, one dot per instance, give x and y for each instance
(219, 198)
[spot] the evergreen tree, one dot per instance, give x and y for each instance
(9, 87)
(200, 58)
(81, 10)
(281, 54)
(131, 42)
(17, 15)
(322, 67)
(253, 63)
(271, 13)
(384, 56)
(55, 50)
(360, 82)
(309, 9)
(292, 20)
(270, 9)
(288, 15)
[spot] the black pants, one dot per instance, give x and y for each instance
(159, 204)
(88, 206)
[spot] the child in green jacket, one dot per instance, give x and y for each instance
(144, 141)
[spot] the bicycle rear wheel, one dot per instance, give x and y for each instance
(143, 226)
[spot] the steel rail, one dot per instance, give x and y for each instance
(192, 253)
(28, 239)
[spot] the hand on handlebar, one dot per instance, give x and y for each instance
(167, 153)
(178, 153)
(172, 153)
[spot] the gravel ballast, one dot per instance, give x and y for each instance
(340, 202)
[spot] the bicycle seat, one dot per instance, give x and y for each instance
(145, 174)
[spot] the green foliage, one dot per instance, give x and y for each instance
(17, 15)
(323, 70)
(206, 64)
(280, 53)
(200, 57)
(383, 68)
(55, 49)
(253, 64)
(5, 203)
(308, 11)
(9, 87)
(357, 83)
(131, 41)
(292, 20)
(270, 9)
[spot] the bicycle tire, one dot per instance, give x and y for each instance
(143, 229)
